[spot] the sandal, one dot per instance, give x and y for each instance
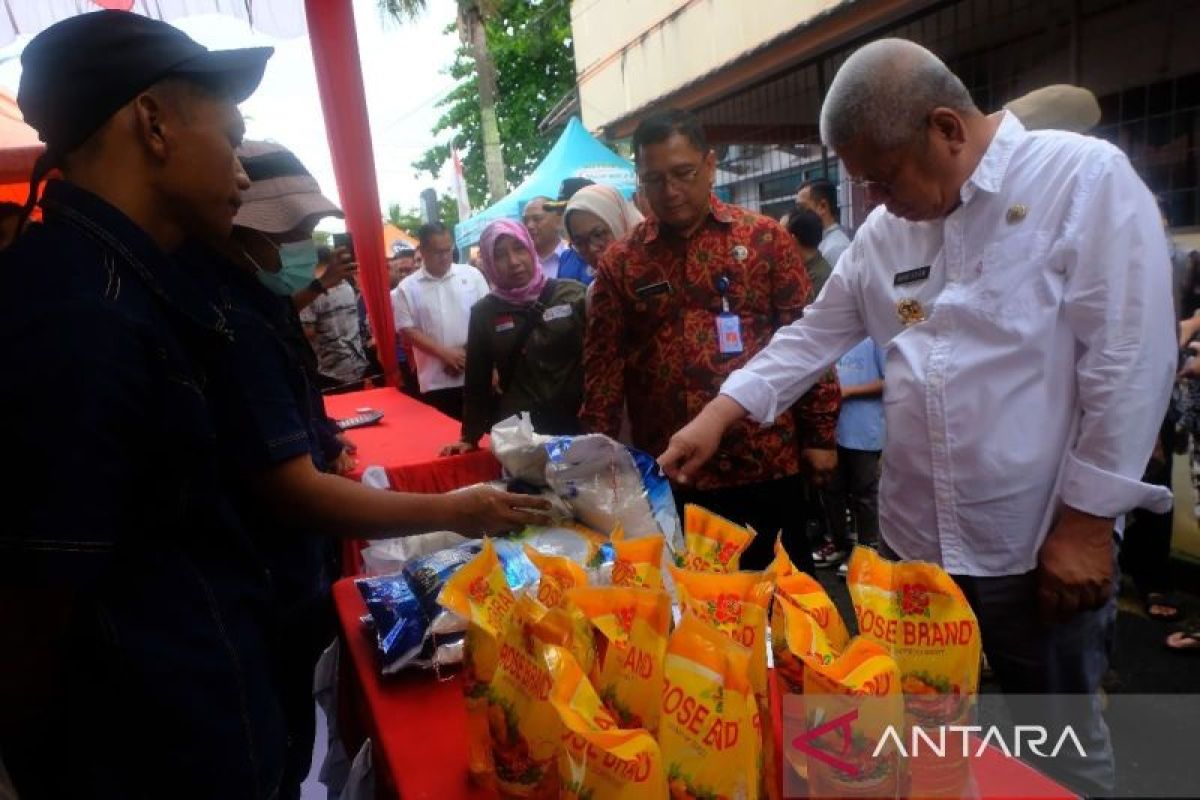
(1161, 600)
(1186, 641)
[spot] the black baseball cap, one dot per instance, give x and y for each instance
(77, 73)
(566, 191)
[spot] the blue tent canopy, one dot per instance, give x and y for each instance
(576, 154)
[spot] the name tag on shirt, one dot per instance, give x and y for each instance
(911, 276)
(556, 312)
(505, 323)
(653, 289)
(729, 334)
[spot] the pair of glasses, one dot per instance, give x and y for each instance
(598, 237)
(681, 177)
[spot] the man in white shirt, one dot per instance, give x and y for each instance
(1016, 283)
(432, 308)
(545, 228)
(820, 197)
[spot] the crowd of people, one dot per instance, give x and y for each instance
(980, 377)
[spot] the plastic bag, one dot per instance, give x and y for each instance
(711, 543)
(637, 562)
(710, 731)
(919, 614)
(633, 624)
(401, 625)
(520, 450)
(597, 760)
(385, 556)
(606, 482)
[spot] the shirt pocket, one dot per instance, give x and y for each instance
(1016, 280)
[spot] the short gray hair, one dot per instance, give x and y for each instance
(884, 93)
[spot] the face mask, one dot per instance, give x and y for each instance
(298, 264)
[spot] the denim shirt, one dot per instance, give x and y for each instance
(118, 504)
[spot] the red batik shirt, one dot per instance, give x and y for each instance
(652, 340)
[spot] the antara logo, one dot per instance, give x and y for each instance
(937, 741)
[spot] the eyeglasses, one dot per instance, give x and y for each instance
(682, 177)
(598, 237)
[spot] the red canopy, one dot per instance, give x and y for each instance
(343, 100)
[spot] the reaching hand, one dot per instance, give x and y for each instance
(695, 443)
(345, 463)
(347, 445)
(482, 510)
(1191, 367)
(458, 449)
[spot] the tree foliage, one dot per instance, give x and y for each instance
(530, 42)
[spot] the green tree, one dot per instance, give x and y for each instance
(530, 42)
(472, 30)
(405, 219)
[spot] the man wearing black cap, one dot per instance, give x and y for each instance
(134, 657)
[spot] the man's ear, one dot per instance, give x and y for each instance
(149, 115)
(947, 125)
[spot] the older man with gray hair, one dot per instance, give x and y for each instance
(1015, 281)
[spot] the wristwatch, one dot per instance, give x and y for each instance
(316, 286)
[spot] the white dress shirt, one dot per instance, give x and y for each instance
(441, 309)
(550, 263)
(1042, 369)
(834, 242)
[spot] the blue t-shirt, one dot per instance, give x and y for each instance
(860, 424)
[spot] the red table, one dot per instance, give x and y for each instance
(406, 443)
(418, 728)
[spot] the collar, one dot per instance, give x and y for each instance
(837, 226)
(65, 203)
(716, 210)
(427, 276)
(989, 173)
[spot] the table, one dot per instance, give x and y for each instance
(406, 443)
(417, 726)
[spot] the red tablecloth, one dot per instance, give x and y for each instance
(406, 443)
(418, 728)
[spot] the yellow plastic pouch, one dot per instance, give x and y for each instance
(710, 732)
(597, 760)
(711, 542)
(919, 614)
(480, 593)
(633, 624)
(851, 704)
(637, 562)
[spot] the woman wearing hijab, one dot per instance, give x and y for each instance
(596, 217)
(529, 331)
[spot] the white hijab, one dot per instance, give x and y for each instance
(620, 215)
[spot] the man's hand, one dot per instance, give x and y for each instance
(341, 266)
(347, 445)
(345, 463)
(482, 510)
(1075, 565)
(458, 448)
(820, 465)
(1187, 329)
(695, 443)
(455, 359)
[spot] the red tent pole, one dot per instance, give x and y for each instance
(334, 44)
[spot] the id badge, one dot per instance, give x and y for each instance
(729, 334)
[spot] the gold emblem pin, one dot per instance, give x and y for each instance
(1017, 213)
(910, 311)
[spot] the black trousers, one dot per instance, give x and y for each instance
(447, 401)
(769, 508)
(1146, 545)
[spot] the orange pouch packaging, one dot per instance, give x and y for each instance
(801, 591)
(597, 760)
(637, 562)
(633, 626)
(524, 727)
(710, 732)
(711, 543)
(559, 575)
(918, 613)
(851, 705)
(479, 593)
